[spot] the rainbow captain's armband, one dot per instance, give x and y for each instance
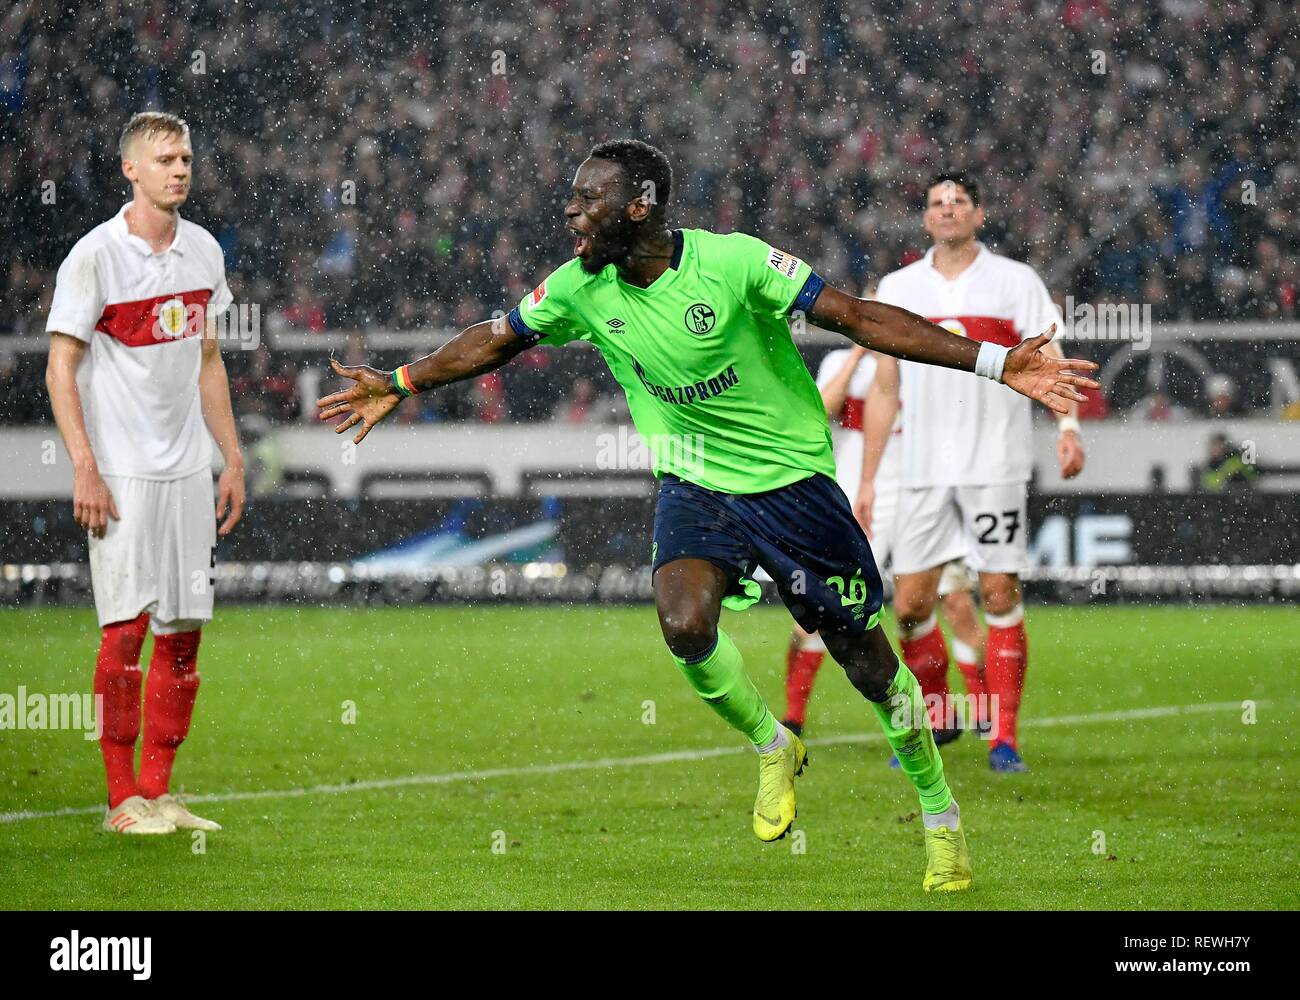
(402, 382)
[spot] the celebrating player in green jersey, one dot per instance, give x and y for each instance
(695, 327)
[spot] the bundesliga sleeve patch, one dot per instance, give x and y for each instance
(783, 263)
(538, 293)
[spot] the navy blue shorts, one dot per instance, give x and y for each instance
(804, 535)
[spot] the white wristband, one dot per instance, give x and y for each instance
(1067, 423)
(990, 360)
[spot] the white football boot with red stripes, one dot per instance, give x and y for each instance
(137, 815)
(169, 807)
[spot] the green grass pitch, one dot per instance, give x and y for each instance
(1197, 807)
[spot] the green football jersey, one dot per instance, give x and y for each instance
(714, 382)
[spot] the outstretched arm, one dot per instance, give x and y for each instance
(480, 348)
(1054, 382)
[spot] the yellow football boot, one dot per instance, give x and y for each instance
(947, 862)
(774, 809)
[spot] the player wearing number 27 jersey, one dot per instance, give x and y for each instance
(965, 452)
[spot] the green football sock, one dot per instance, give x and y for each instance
(721, 681)
(903, 718)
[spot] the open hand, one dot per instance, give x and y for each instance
(1054, 382)
(367, 402)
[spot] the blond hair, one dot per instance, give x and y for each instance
(149, 123)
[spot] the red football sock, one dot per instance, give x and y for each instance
(926, 655)
(117, 689)
(1005, 660)
(169, 695)
(800, 671)
(968, 664)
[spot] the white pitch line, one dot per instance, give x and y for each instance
(672, 757)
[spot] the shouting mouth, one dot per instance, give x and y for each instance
(581, 243)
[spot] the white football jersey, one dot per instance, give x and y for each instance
(960, 429)
(846, 426)
(142, 313)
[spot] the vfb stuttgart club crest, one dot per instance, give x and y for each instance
(953, 326)
(172, 318)
(700, 318)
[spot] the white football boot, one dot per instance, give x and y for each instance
(136, 815)
(171, 808)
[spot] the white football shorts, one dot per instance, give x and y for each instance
(160, 556)
(986, 525)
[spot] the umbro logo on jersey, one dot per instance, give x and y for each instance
(615, 324)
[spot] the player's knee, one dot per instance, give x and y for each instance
(912, 608)
(1000, 595)
(869, 667)
(121, 642)
(688, 631)
(872, 677)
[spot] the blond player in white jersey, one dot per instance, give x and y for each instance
(845, 377)
(136, 383)
(965, 451)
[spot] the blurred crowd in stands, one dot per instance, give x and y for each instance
(403, 165)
